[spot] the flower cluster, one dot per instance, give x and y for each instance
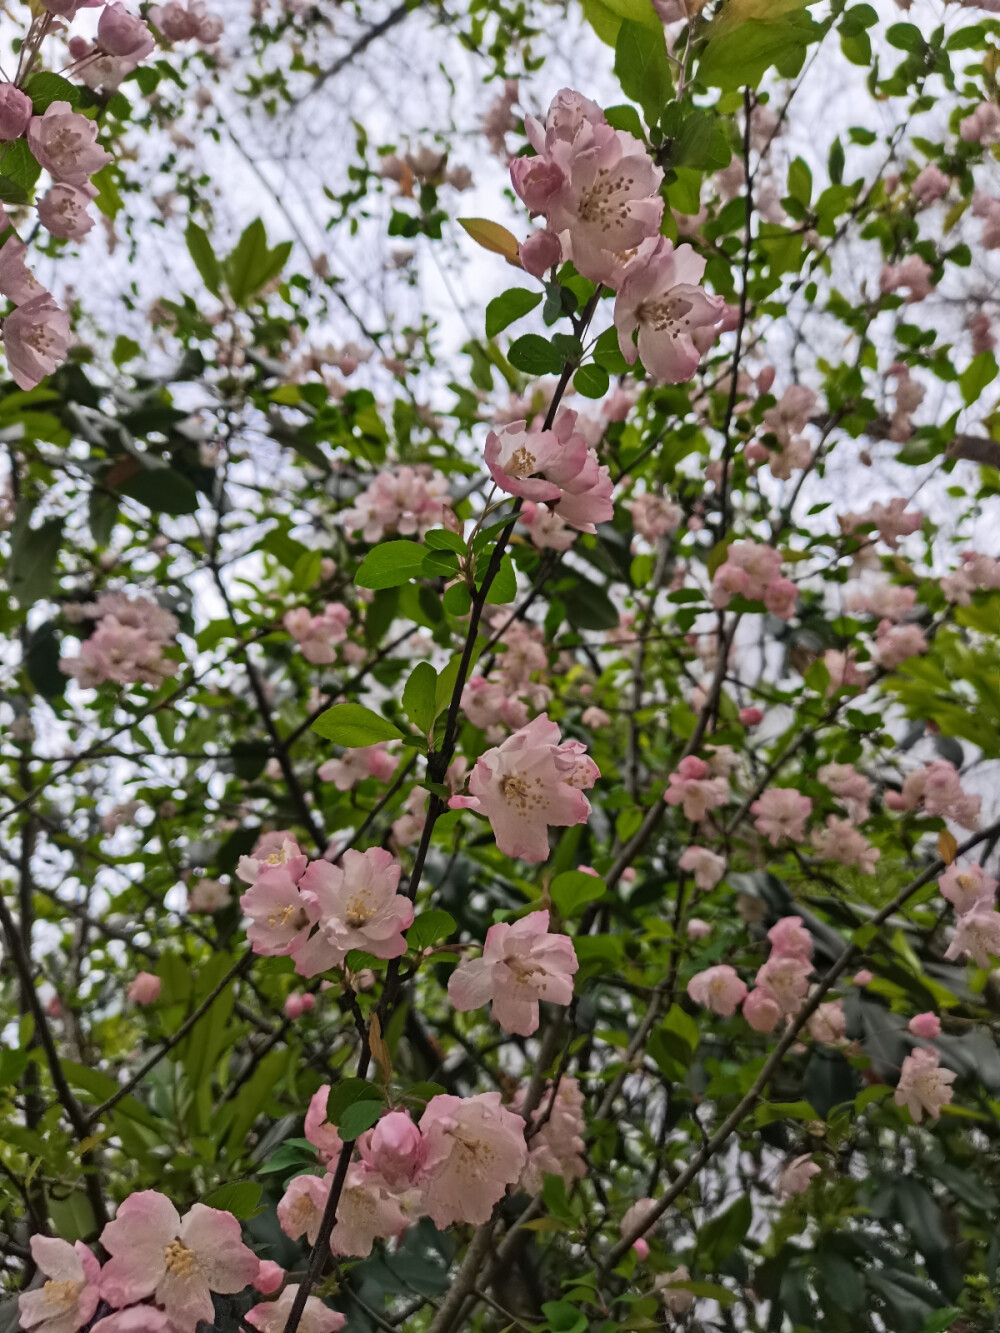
(407, 502)
(555, 467)
(938, 789)
(127, 644)
(318, 636)
(753, 571)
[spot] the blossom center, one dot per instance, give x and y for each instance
(604, 203)
(181, 1261)
(61, 1295)
(281, 916)
(515, 790)
(359, 909)
(522, 463)
(667, 314)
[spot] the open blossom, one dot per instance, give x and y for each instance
(653, 516)
(545, 528)
(318, 1130)
(707, 867)
(277, 910)
(300, 1209)
(841, 841)
(136, 1319)
(409, 501)
(556, 1147)
(17, 282)
(178, 1261)
(781, 812)
(790, 939)
(521, 964)
(977, 934)
(208, 895)
(36, 338)
(15, 112)
(718, 988)
(366, 1213)
(930, 184)
(660, 298)
(913, 273)
(119, 33)
(829, 1023)
(976, 572)
(890, 520)
(194, 23)
(145, 988)
(64, 142)
(318, 636)
(761, 1010)
(923, 1084)
(926, 1026)
(69, 1297)
(786, 979)
(353, 766)
(983, 125)
(967, 887)
(691, 787)
(850, 787)
(272, 1316)
(888, 601)
(530, 782)
(795, 1176)
(894, 644)
(488, 705)
(554, 466)
(276, 848)
(355, 906)
(474, 1149)
(676, 1299)
(939, 788)
(753, 570)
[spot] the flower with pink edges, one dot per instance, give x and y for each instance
(300, 1208)
(15, 112)
(540, 252)
(394, 1150)
(121, 34)
(633, 1216)
(795, 1176)
(718, 988)
(930, 185)
(761, 1010)
(790, 939)
(654, 516)
(698, 929)
(64, 143)
(178, 1261)
(318, 636)
(269, 1277)
(528, 783)
(707, 867)
(926, 1026)
(521, 964)
(661, 301)
(63, 210)
(545, 528)
(977, 934)
(366, 1213)
(967, 887)
(841, 841)
(894, 644)
(136, 1319)
(353, 906)
(277, 848)
(691, 787)
(69, 1297)
(913, 274)
(208, 895)
(318, 1130)
(786, 979)
(850, 787)
(36, 339)
(279, 919)
(982, 126)
(17, 282)
(781, 812)
(891, 520)
(473, 1149)
(145, 988)
(272, 1316)
(829, 1023)
(923, 1085)
(408, 502)
(354, 766)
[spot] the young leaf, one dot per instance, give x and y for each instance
(428, 928)
(200, 250)
(508, 307)
(353, 725)
(390, 564)
(491, 236)
(418, 697)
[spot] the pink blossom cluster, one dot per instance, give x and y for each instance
(938, 788)
(553, 467)
(850, 787)
(841, 841)
(452, 1167)
(318, 636)
(888, 601)
(786, 421)
(976, 573)
(930, 185)
(654, 516)
(127, 644)
(983, 338)
(521, 964)
(972, 893)
(983, 125)
(501, 701)
(598, 190)
(781, 812)
(753, 570)
(317, 912)
(409, 501)
(891, 521)
(354, 766)
(529, 783)
(408, 827)
(913, 275)
(190, 23)
(782, 983)
(894, 644)
(548, 532)
(910, 394)
(555, 1135)
(923, 1085)
(706, 866)
(692, 787)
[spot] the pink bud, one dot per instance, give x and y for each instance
(765, 379)
(396, 1148)
(863, 978)
(145, 988)
(756, 453)
(641, 1248)
(698, 929)
(751, 717)
(54, 1007)
(15, 112)
(269, 1277)
(629, 874)
(895, 800)
(926, 1025)
(121, 34)
(761, 1010)
(540, 252)
(308, 1001)
(294, 1006)
(588, 870)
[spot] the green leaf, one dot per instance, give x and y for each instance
(905, 37)
(592, 381)
(720, 1236)
(740, 57)
(418, 697)
(605, 16)
(573, 889)
(160, 488)
(358, 1117)
(242, 1198)
(534, 355)
(508, 307)
(941, 1320)
(800, 181)
(429, 928)
(346, 1093)
(108, 199)
(441, 539)
(252, 264)
(390, 564)
(975, 377)
(353, 725)
(503, 589)
(608, 354)
(42, 661)
(44, 88)
(33, 556)
(642, 67)
(200, 249)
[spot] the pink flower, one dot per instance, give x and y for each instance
(781, 812)
(841, 841)
(366, 1213)
(718, 988)
(208, 895)
(546, 529)
(66, 9)
(698, 929)
(707, 867)
(751, 717)
(36, 338)
(145, 988)
(180, 25)
(690, 787)
(676, 1299)
(540, 252)
(521, 964)
(829, 1024)
(367, 761)
(69, 1298)
(635, 1214)
(272, 849)
(660, 297)
(967, 887)
(319, 1131)
(355, 906)
(983, 339)
(786, 979)
(272, 1316)
(790, 415)
(474, 1149)
(269, 1277)
(923, 1084)
(595, 717)
(136, 1319)
(795, 1176)
(277, 910)
(300, 1209)
(528, 783)
(849, 786)
(891, 521)
(790, 939)
(927, 1026)
(653, 516)
(409, 501)
(863, 978)
(394, 1150)
(65, 144)
(761, 1010)
(895, 643)
(556, 1147)
(555, 466)
(977, 932)
(15, 112)
(179, 1262)
(930, 184)
(983, 125)
(318, 636)
(913, 273)
(750, 570)
(120, 34)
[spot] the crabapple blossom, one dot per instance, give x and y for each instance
(676, 1299)
(938, 788)
(976, 572)
(698, 929)
(706, 866)
(751, 717)
(121, 34)
(408, 501)
(208, 895)
(781, 812)
(931, 184)
(891, 521)
(983, 125)
(653, 516)
(718, 988)
(888, 601)
(178, 1261)
(36, 338)
(547, 530)
(977, 933)
(269, 1277)
(795, 1176)
(790, 939)
(318, 636)
(474, 1148)
(894, 644)
(829, 1024)
(528, 783)
(841, 841)
(753, 570)
(786, 979)
(633, 1216)
(278, 848)
(913, 273)
(135, 1319)
(15, 112)
(318, 1130)
(64, 142)
(555, 1144)
(366, 1213)
(923, 1085)
(521, 964)
(145, 988)
(273, 1316)
(69, 1297)
(394, 1150)
(354, 906)
(761, 1010)
(279, 920)
(926, 1026)
(353, 766)
(660, 299)
(300, 1209)
(540, 252)
(863, 978)
(967, 887)
(690, 786)
(595, 717)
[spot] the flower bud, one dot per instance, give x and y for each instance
(269, 1277)
(15, 112)
(119, 33)
(145, 989)
(540, 252)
